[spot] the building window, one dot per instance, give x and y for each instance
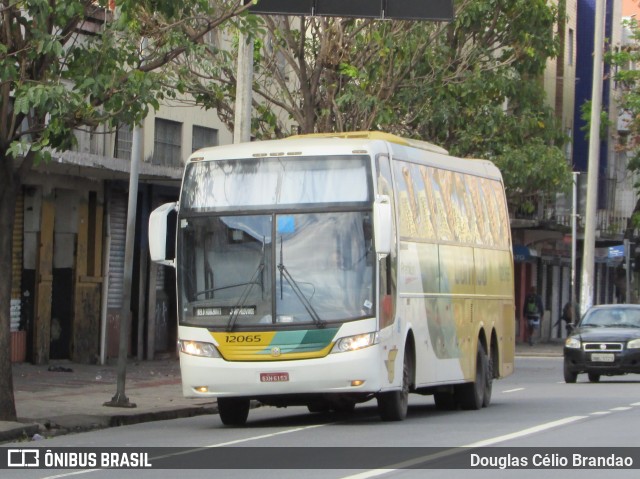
(167, 144)
(570, 48)
(124, 141)
(203, 137)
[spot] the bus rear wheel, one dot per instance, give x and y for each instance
(471, 396)
(488, 384)
(393, 405)
(233, 411)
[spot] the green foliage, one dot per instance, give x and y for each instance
(56, 80)
(472, 86)
(585, 115)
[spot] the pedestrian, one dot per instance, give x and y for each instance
(568, 315)
(532, 311)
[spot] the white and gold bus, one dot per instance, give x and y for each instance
(329, 270)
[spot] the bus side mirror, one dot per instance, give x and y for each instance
(158, 233)
(382, 224)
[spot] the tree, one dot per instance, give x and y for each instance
(472, 86)
(55, 78)
(627, 77)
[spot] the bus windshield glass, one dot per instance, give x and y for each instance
(274, 182)
(247, 271)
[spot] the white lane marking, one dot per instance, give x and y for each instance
(449, 452)
(513, 390)
(600, 413)
(635, 404)
(621, 408)
(197, 449)
(526, 432)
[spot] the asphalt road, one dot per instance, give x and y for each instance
(532, 412)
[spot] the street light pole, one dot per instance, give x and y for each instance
(586, 286)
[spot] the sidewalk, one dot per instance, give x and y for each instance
(64, 397)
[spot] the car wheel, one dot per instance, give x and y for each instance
(593, 377)
(569, 375)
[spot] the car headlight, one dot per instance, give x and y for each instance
(353, 343)
(573, 343)
(634, 344)
(198, 348)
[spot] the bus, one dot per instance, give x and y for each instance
(329, 270)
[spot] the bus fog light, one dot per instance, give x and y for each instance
(353, 343)
(198, 348)
(202, 389)
(357, 382)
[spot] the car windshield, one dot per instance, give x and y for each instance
(612, 318)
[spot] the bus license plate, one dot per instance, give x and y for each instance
(602, 357)
(274, 377)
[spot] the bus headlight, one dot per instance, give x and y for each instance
(198, 348)
(572, 343)
(353, 343)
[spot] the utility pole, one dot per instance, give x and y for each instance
(586, 286)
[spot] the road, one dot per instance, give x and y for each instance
(533, 410)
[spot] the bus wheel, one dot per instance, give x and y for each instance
(393, 405)
(488, 383)
(233, 411)
(471, 395)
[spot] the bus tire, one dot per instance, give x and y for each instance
(233, 411)
(488, 383)
(471, 395)
(393, 405)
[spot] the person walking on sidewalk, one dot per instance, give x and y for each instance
(532, 311)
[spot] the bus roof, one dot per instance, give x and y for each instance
(379, 135)
(360, 142)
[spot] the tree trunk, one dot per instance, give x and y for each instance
(8, 187)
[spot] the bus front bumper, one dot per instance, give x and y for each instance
(349, 372)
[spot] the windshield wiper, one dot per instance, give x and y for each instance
(235, 312)
(212, 290)
(298, 292)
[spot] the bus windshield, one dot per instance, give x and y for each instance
(275, 269)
